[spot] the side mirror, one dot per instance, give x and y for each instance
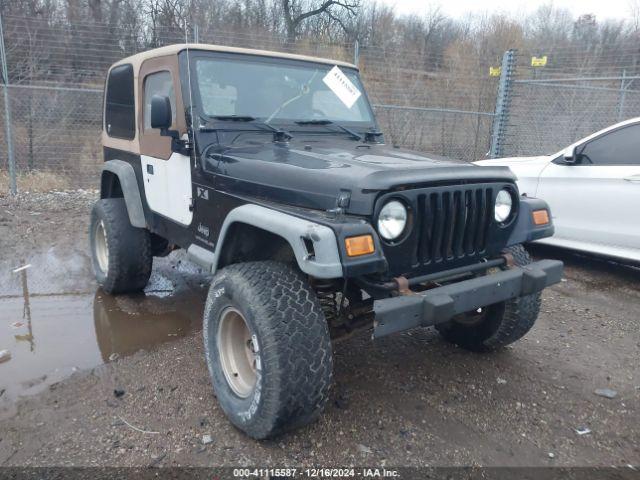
(571, 155)
(161, 116)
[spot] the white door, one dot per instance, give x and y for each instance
(596, 200)
(167, 185)
(167, 181)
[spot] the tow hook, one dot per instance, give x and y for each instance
(509, 262)
(403, 286)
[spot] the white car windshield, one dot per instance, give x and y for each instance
(274, 90)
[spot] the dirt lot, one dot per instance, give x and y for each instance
(410, 399)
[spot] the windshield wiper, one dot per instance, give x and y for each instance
(354, 135)
(279, 135)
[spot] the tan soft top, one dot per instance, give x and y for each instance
(137, 59)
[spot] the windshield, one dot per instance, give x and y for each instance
(274, 90)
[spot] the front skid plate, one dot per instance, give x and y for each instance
(441, 304)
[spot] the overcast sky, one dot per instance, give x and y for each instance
(602, 8)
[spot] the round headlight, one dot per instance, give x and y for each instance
(392, 220)
(504, 204)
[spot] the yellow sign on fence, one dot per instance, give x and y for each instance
(539, 61)
(495, 71)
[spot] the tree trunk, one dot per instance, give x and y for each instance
(289, 21)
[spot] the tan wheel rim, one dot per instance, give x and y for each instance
(238, 350)
(101, 247)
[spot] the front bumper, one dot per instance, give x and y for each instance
(442, 303)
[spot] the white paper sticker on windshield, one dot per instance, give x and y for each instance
(344, 88)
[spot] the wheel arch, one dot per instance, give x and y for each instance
(118, 180)
(313, 246)
(246, 243)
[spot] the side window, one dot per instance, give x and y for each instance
(620, 147)
(120, 114)
(160, 83)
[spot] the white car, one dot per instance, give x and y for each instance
(592, 188)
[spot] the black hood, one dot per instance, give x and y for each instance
(312, 173)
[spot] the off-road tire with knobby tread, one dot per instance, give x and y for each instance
(502, 323)
(293, 345)
(129, 248)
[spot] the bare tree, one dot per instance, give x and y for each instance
(297, 11)
(166, 20)
(634, 10)
(549, 26)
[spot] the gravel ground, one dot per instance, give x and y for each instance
(408, 399)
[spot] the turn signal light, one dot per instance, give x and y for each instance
(362, 245)
(540, 217)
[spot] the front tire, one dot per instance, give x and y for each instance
(495, 326)
(267, 347)
(120, 253)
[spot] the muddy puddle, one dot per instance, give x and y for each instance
(55, 321)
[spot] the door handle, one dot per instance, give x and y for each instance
(633, 179)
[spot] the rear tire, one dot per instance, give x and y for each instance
(268, 310)
(497, 325)
(120, 253)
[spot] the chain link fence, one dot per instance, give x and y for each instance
(57, 130)
(449, 105)
(572, 95)
(56, 74)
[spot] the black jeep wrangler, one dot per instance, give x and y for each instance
(270, 171)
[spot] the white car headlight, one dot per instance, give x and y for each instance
(504, 204)
(392, 220)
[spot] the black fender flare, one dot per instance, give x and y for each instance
(324, 263)
(130, 190)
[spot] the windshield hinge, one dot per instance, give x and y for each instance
(183, 147)
(281, 136)
(372, 136)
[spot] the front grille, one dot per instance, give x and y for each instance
(451, 226)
